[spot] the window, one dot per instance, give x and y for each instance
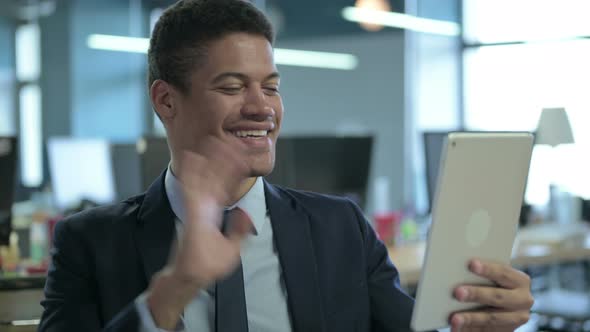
(507, 86)
(500, 21)
(28, 71)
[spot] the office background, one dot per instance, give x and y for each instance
(438, 66)
(88, 92)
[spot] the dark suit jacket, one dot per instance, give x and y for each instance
(337, 273)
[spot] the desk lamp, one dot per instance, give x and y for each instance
(553, 129)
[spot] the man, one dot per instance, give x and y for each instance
(284, 261)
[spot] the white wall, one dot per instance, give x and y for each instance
(108, 88)
(434, 102)
(7, 116)
(7, 110)
(369, 99)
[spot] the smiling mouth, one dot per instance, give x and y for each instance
(250, 133)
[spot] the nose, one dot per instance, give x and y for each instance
(256, 105)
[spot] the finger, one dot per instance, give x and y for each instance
(488, 319)
(507, 328)
(514, 299)
(224, 159)
(187, 160)
(221, 168)
(205, 211)
(470, 329)
(502, 274)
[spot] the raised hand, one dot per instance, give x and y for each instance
(209, 178)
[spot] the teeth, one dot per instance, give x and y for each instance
(253, 133)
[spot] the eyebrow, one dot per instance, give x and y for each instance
(241, 77)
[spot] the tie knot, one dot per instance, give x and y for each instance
(236, 219)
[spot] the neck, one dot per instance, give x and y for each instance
(243, 187)
(242, 190)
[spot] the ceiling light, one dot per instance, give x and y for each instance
(315, 59)
(382, 5)
(402, 21)
(118, 43)
(287, 57)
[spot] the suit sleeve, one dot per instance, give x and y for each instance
(71, 299)
(391, 308)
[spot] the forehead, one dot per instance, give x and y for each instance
(249, 54)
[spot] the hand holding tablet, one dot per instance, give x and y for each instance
(508, 303)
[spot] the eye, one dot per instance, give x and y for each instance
(271, 90)
(231, 90)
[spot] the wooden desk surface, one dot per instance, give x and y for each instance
(409, 258)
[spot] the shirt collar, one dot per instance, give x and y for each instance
(253, 202)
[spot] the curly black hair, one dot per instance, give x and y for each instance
(180, 38)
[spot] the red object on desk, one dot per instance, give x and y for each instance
(50, 227)
(387, 226)
(37, 269)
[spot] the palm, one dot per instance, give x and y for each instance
(205, 253)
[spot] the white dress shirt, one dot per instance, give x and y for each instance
(266, 296)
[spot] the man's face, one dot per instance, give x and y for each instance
(234, 97)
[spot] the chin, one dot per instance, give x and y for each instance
(261, 167)
(260, 171)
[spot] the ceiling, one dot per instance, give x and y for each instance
(27, 9)
(306, 18)
(294, 19)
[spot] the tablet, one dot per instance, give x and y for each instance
(475, 215)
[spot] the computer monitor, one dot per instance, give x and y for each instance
(433, 144)
(328, 164)
(154, 157)
(586, 210)
(8, 156)
(80, 169)
(126, 170)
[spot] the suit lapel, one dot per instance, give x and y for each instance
(292, 235)
(155, 228)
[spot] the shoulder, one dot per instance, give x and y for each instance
(313, 201)
(326, 209)
(102, 220)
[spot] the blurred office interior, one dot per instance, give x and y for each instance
(370, 89)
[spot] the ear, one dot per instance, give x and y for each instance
(161, 95)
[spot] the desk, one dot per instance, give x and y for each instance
(19, 301)
(409, 258)
(22, 283)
